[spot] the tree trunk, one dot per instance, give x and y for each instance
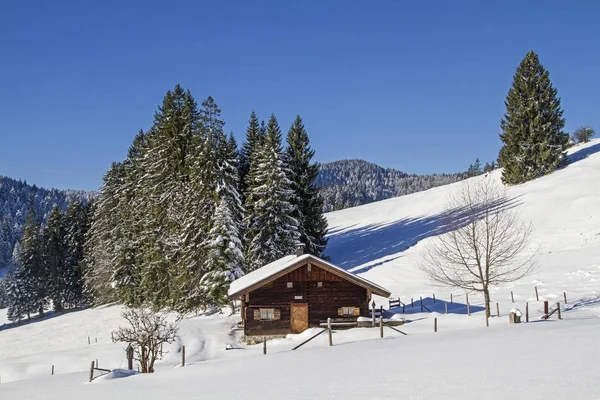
(486, 295)
(41, 310)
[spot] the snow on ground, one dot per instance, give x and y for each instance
(518, 361)
(380, 241)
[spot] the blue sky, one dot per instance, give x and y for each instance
(417, 86)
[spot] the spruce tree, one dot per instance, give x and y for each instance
(75, 227)
(52, 256)
(254, 138)
(162, 188)
(308, 205)
(272, 231)
(32, 278)
(106, 277)
(225, 258)
(532, 127)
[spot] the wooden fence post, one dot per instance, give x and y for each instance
(435, 324)
(558, 310)
(96, 339)
(92, 372)
(450, 298)
(89, 340)
(402, 308)
(52, 369)
(446, 307)
(434, 298)
(381, 326)
(373, 314)
(537, 297)
(183, 355)
(497, 310)
(527, 312)
(565, 294)
(469, 309)
(329, 328)
(412, 303)
(546, 310)
(512, 296)
(129, 353)
(421, 303)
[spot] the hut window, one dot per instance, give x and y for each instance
(349, 311)
(267, 314)
(319, 284)
(290, 285)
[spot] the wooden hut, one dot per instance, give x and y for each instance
(299, 291)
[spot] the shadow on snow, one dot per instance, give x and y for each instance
(364, 248)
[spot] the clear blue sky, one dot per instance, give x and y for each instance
(417, 86)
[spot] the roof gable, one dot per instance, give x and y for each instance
(284, 265)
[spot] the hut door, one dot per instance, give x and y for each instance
(299, 317)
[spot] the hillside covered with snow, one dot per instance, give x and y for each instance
(382, 242)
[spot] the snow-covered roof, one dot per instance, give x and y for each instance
(289, 263)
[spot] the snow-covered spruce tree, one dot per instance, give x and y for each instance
(17, 299)
(75, 227)
(102, 239)
(272, 231)
(225, 258)
(254, 138)
(128, 249)
(200, 205)
(162, 188)
(31, 278)
(308, 204)
(52, 256)
(532, 127)
(224, 262)
(3, 296)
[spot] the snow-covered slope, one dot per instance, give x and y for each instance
(381, 241)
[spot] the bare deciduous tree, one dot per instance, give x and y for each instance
(583, 134)
(147, 332)
(486, 243)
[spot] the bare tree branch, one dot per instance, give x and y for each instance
(487, 244)
(147, 332)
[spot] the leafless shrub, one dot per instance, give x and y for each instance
(146, 332)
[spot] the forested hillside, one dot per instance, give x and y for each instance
(350, 183)
(16, 198)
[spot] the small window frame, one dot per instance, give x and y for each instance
(267, 314)
(290, 285)
(348, 311)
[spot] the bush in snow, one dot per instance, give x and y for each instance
(146, 332)
(583, 134)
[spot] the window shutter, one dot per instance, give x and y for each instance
(257, 314)
(277, 314)
(356, 311)
(341, 311)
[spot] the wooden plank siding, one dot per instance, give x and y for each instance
(323, 301)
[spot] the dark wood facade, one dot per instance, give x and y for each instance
(303, 297)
